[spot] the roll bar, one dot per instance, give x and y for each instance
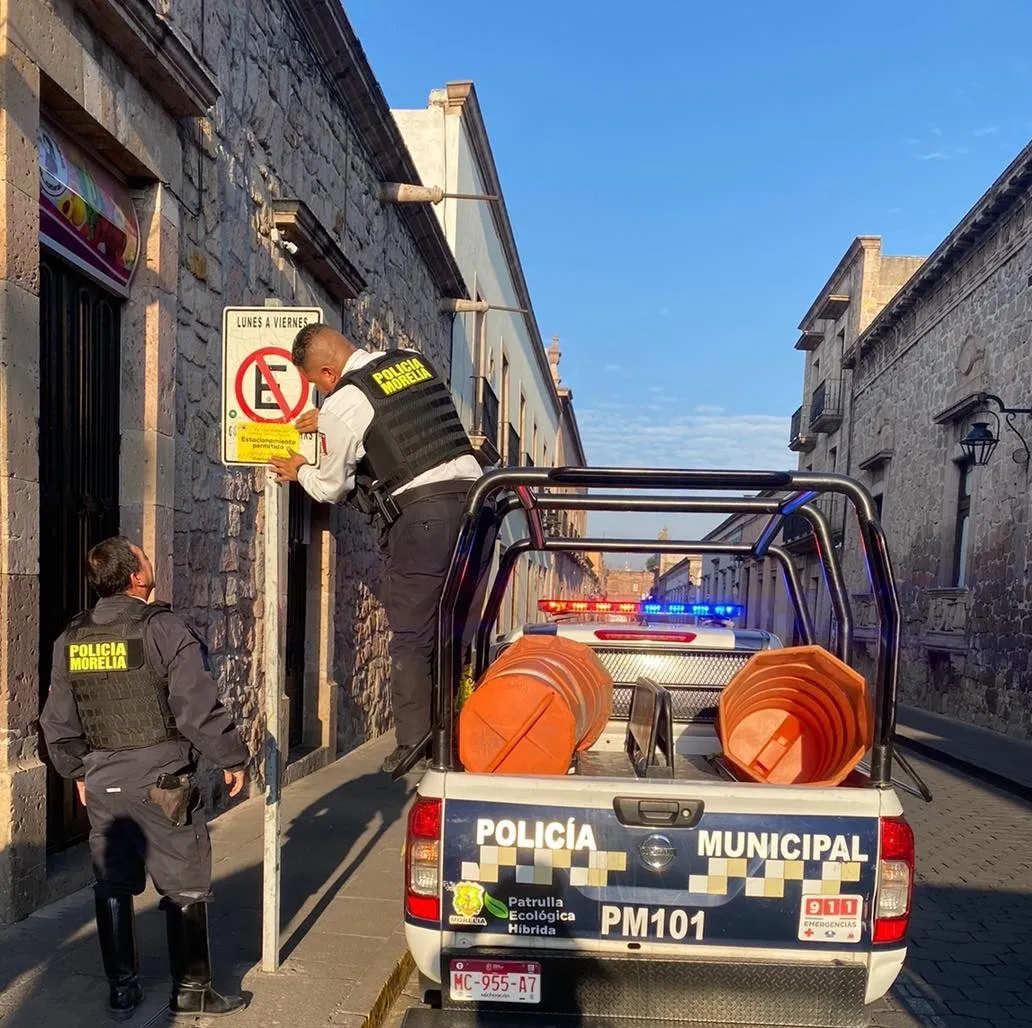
(499, 493)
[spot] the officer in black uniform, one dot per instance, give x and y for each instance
(394, 448)
(131, 703)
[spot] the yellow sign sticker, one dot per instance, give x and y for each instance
(259, 442)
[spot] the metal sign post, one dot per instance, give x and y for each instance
(262, 395)
(275, 680)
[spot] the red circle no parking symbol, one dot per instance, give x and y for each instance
(267, 393)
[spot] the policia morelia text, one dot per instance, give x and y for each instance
(131, 706)
(395, 450)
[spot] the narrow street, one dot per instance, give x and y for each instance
(970, 959)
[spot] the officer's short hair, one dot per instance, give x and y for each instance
(110, 566)
(303, 342)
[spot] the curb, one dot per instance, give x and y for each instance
(390, 991)
(368, 1004)
(940, 756)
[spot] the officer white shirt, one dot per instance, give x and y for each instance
(344, 419)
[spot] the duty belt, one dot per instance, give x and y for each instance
(389, 508)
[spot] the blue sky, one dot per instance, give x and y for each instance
(683, 177)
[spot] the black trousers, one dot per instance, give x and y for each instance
(130, 838)
(419, 551)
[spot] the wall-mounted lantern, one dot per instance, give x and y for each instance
(980, 441)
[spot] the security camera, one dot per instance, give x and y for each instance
(277, 238)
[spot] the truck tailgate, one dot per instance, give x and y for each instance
(670, 868)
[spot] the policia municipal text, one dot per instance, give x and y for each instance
(396, 449)
(131, 703)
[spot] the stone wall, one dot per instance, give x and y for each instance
(202, 187)
(965, 651)
(278, 132)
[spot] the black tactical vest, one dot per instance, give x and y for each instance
(415, 425)
(121, 699)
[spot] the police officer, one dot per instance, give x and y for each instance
(131, 703)
(395, 449)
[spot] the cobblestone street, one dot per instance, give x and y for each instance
(970, 959)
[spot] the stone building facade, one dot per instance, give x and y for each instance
(960, 534)
(232, 153)
(863, 282)
(758, 585)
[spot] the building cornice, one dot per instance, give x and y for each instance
(972, 228)
(856, 248)
(569, 416)
(317, 250)
(157, 54)
(461, 98)
(336, 47)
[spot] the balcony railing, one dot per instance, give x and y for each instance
(826, 406)
(484, 435)
(512, 447)
(528, 461)
(797, 529)
(799, 436)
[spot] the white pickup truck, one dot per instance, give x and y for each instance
(650, 883)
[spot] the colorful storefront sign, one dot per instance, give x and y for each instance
(86, 214)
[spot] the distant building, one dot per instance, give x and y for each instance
(628, 584)
(758, 585)
(863, 282)
(505, 384)
(679, 582)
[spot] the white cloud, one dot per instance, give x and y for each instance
(664, 310)
(628, 436)
(708, 408)
(989, 130)
(612, 368)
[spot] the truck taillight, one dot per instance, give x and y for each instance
(895, 884)
(423, 859)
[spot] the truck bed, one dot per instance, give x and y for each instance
(610, 764)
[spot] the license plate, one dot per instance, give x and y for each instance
(498, 981)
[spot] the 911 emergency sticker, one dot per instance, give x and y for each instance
(831, 918)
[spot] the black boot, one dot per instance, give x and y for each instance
(190, 959)
(116, 929)
(393, 760)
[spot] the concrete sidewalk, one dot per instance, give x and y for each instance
(343, 951)
(994, 758)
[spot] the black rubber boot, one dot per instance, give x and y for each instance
(116, 929)
(190, 959)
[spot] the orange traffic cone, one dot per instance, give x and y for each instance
(795, 716)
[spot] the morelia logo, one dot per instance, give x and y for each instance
(469, 899)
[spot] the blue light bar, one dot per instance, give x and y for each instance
(702, 610)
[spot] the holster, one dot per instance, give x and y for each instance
(173, 795)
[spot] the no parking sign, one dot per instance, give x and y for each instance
(263, 394)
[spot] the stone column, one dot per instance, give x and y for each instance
(148, 459)
(22, 775)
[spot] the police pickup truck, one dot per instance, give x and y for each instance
(650, 883)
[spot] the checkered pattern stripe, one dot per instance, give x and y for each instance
(819, 878)
(591, 869)
(537, 867)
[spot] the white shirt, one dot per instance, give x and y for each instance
(344, 419)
